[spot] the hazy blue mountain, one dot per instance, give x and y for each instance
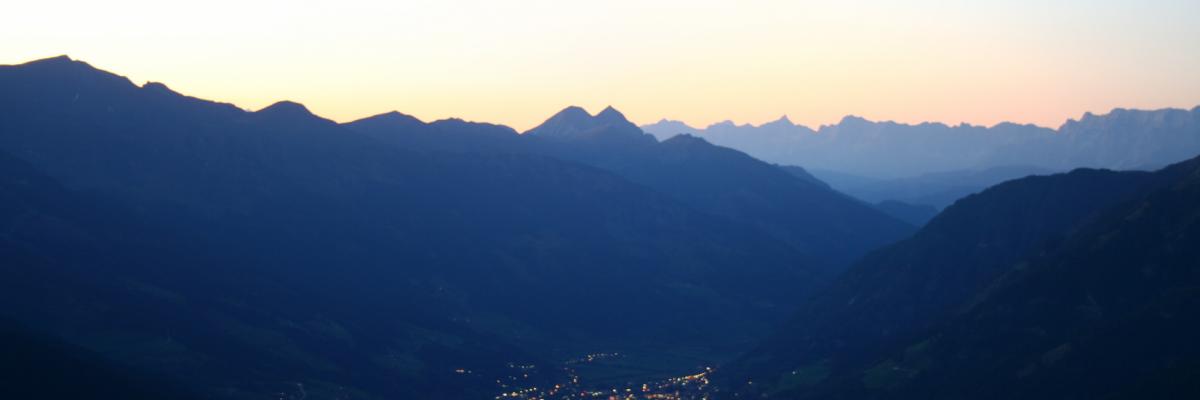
(1121, 139)
(875, 149)
(897, 294)
(934, 189)
(913, 214)
(267, 252)
(1132, 139)
(665, 129)
(770, 141)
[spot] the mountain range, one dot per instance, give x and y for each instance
(159, 245)
(829, 228)
(275, 251)
(1121, 139)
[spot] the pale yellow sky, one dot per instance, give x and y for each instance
(517, 62)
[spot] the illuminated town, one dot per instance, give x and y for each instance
(687, 387)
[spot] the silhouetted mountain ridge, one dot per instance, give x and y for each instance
(247, 252)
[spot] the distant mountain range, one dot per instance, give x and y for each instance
(1122, 139)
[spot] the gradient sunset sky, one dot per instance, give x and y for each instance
(517, 62)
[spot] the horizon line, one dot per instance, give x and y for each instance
(784, 117)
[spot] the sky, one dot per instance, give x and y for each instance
(751, 61)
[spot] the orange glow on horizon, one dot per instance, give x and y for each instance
(696, 61)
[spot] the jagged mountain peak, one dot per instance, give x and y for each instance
(611, 114)
(782, 121)
(575, 123)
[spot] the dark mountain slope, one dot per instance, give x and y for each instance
(903, 290)
(125, 291)
(913, 214)
(250, 252)
(1110, 312)
(39, 366)
(803, 174)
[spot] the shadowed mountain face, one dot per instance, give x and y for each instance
(39, 366)
(913, 214)
(803, 174)
(1109, 312)
(1024, 290)
(828, 228)
(254, 253)
(1122, 139)
(218, 303)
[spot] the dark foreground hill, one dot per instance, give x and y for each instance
(1079, 285)
(39, 366)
